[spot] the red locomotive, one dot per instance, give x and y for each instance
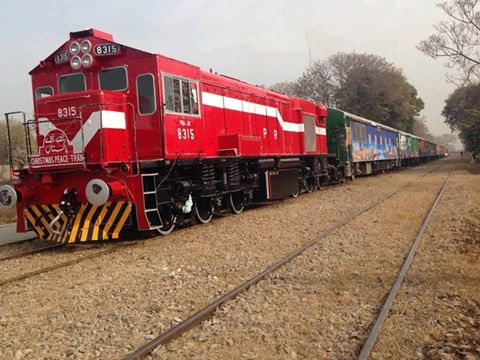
(123, 138)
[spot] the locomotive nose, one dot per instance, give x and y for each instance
(8, 197)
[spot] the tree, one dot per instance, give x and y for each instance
(364, 84)
(420, 128)
(470, 131)
(17, 135)
(457, 39)
(317, 84)
(461, 112)
(285, 87)
(463, 99)
(446, 139)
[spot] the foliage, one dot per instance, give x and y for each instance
(459, 102)
(461, 111)
(364, 84)
(285, 87)
(457, 39)
(17, 135)
(420, 128)
(470, 131)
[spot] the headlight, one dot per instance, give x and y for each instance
(86, 46)
(74, 48)
(8, 197)
(87, 60)
(76, 62)
(97, 192)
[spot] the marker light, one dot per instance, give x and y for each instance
(74, 48)
(76, 62)
(87, 60)
(86, 46)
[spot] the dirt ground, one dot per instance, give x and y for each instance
(319, 306)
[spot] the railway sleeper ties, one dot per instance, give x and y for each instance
(202, 314)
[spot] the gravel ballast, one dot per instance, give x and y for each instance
(107, 306)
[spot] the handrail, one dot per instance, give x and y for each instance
(77, 119)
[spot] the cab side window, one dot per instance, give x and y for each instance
(114, 79)
(43, 91)
(71, 83)
(146, 94)
(181, 95)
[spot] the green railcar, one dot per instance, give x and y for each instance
(361, 146)
(338, 136)
(409, 147)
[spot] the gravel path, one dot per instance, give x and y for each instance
(107, 306)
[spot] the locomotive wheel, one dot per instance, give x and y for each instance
(319, 184)
(236, 202)
(203, 211)
(169, 220)
(309, 185)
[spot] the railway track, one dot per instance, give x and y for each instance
(118, 247)
(202, 314)
(21, 254)
(77, 260)
(382, 316)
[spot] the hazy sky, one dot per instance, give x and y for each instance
(261, 42)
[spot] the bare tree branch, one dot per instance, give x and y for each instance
(457, 39)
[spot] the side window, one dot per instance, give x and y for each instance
(194, 97)
(355, 131)
(186, 97)
(364, 133)
(177, 97)
(181, 95)
(71, 82)
(43, 91)
(114, 79)
(168, 93)
(146, 94)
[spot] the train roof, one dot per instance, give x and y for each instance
(373, 123)
(206, 76)
(366, 121)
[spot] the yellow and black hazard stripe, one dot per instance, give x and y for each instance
(90, 223)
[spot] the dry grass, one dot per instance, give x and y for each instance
(6, 216)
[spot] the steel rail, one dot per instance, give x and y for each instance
(78, 260)
(66, 263)
(29, 252)
(377, 327)
(207, 311)
(16, 242)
